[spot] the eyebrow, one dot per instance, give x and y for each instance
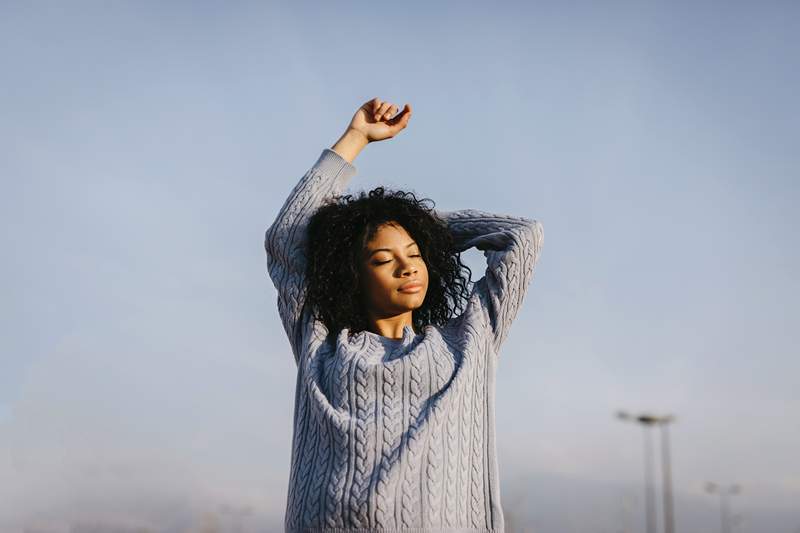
(388, 250)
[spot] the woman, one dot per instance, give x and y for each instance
(394, 424)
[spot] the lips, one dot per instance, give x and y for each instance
(410, 286)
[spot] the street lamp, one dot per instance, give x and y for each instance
(724, 504)
(647, 421)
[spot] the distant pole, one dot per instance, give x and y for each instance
(650, 491)
(736, 521)
(669, 511)
(724, 504)
(647, 421)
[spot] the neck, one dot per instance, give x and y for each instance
(391, 326)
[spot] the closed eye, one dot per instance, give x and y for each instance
(389, 260)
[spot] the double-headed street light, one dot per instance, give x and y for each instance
(647, 421)
(724, 505)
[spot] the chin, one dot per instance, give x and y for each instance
(414, 301)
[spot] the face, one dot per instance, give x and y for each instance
(392, 259)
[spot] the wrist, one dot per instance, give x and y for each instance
(350, 144)
(356, 136)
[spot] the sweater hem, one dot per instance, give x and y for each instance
(402, 530)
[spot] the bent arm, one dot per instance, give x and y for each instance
(285, 239)
(512, 246)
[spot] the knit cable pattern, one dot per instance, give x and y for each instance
(390, 417)
(364, 403)
(410, 514)
(336, 515)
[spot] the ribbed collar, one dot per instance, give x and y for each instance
(408, 336)
(367, 340)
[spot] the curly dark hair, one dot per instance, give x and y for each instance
(338, 233)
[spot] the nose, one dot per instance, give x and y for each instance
(407, 268)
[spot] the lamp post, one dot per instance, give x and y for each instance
(647, 421)
(724, 503)
(669, 510)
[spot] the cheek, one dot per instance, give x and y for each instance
(376, 281)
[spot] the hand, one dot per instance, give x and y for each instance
(377, 120)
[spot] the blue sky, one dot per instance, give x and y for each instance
(147, 146)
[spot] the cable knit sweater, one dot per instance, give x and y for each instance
(397, 435)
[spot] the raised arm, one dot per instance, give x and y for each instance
(512, 246)
(285, 239)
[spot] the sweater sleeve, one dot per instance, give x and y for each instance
(512, 246)
(285, 240)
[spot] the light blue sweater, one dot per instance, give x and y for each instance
(397, 435)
